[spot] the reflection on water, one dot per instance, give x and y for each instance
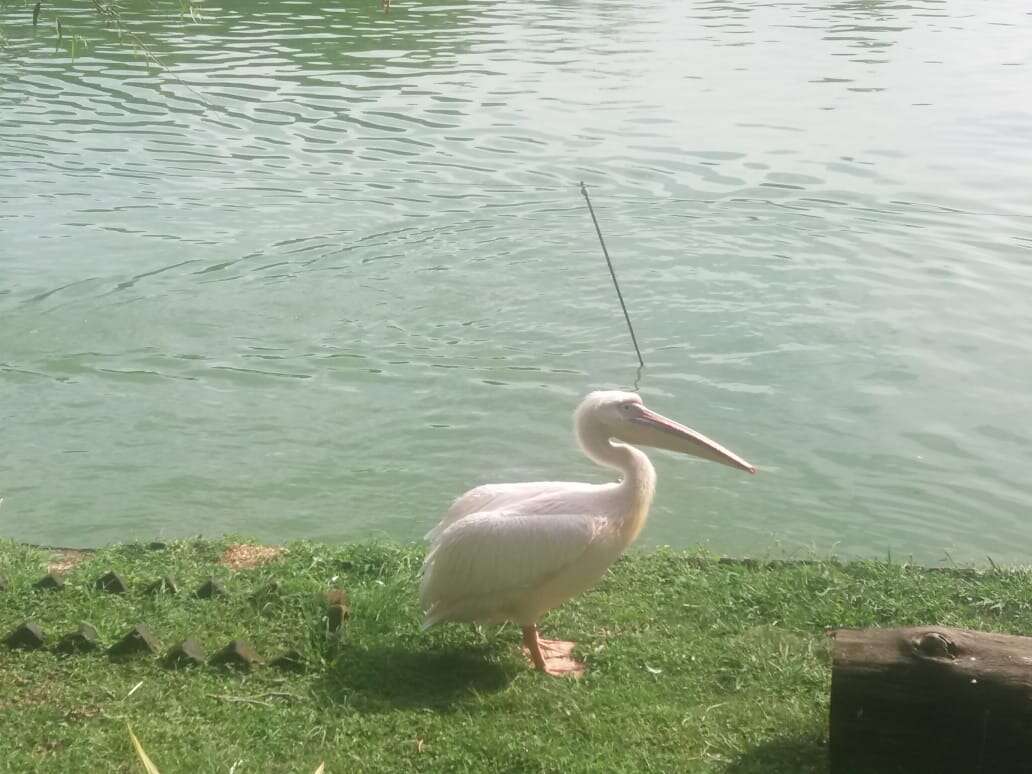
(330, 266)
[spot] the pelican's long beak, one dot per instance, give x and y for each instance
(656, 430)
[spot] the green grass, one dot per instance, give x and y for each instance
(694, 666)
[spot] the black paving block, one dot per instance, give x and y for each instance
(211, 589)
(166, 584)
(50, 581)
(82, 640)
(139, 639)
(28, 636)
(112, 582)
(237, 654)
(187, 653)
(290, 661)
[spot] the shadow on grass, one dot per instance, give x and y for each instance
(382, 679)
(791, 755)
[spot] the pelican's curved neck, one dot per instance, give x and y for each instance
(638, 482)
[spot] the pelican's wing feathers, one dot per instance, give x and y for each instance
(528, 497)
(481, 567)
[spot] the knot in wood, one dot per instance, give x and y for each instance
(936, 645)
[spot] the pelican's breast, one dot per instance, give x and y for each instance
(576, 578)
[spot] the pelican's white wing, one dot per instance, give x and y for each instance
(525, 498)
(497, 565)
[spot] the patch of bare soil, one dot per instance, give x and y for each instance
(64, 559)
(244, 556)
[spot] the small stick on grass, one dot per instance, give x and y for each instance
(240, 699)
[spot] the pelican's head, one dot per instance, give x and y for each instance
(624, 417)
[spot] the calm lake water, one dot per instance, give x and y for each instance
(331, 267)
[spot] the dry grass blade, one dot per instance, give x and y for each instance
(321, 769)
(148, 764)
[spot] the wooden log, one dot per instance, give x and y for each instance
(930, 700)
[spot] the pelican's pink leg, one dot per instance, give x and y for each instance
(530, 642)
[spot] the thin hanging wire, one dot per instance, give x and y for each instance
(612, 273)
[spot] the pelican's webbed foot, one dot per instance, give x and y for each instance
(553, 657)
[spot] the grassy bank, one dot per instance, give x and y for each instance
(694, 665)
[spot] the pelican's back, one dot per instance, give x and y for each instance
(528, 497)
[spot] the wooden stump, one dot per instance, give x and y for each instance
(930, 700)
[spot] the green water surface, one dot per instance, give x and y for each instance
(330, 266)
